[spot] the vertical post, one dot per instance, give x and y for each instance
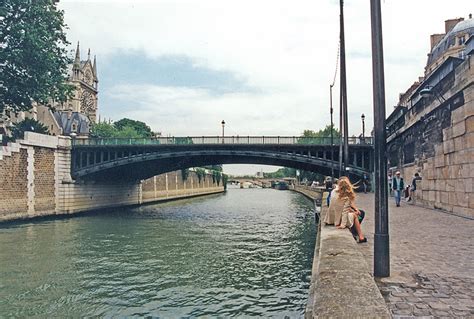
(344, 87)
(381, 239)
(332, 134)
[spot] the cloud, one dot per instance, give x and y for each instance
(264, 66)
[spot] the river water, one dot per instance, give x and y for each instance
(247, 252)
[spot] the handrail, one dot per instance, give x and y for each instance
(215, 140)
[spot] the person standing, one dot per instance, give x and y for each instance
(389, 179)
(397, 186)
(416, 178)
(365, 182)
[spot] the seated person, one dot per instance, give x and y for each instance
(349, 216)
(335, 208)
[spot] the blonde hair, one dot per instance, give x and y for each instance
(345, 188)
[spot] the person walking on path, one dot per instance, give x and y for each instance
(416, 178)
(397, 186)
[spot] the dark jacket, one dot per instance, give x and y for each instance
(394, 184)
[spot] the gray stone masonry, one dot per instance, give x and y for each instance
(341, 284)
(432, 261)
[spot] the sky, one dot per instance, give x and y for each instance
(262, 66)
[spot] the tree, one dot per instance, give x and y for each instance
(33, 60)
(319, 137)
(141, 128)
(120, 130)
(28, 125)
(103, 130)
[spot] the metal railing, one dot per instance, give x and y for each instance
(240, 140)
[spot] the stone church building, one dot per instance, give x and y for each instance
(73, 117)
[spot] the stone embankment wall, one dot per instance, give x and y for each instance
(448, 176)
(341, 281)
(35, 180)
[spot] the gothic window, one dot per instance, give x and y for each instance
(74, 126)
(87, 102)
(88, 77)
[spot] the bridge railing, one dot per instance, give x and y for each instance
(286, 140)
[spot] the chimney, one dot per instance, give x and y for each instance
(449, 24)
(435, 38)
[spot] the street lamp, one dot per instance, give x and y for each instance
(363, 126)
(381, 236)
(223, 125)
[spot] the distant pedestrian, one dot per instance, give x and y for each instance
(398, 187)
(390, 183)
(416, 178)
(365, 183)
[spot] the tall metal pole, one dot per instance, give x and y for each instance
(332, 135)
(344, 87)
(381, 239)
(341, 130)
(223, 124)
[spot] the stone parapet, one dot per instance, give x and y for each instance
(341, 281)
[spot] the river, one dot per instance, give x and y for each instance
(247, 252)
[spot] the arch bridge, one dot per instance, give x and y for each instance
(135, 159)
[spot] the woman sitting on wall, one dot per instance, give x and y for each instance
(350, 213)
(335, 207)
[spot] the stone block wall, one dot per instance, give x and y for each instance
(448, 177)
(44, 180)
(171, 185)
(35, 180)
(13, 180)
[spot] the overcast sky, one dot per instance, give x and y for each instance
(262, 66)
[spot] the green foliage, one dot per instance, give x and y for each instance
(140, 128)
(183, 140)
(217, 167)
(103, 130)
(106, 130)
(28, 125)
(201, 174)
(33, 60)
(216, 177)
(128, 132)
(319, 137)
(326, 132)
(225, 178)
(184, 174)
(281, 173)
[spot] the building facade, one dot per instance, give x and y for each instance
(74, 116)
(431, 130)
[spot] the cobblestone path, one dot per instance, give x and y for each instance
(432, 261)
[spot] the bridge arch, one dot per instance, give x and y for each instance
(136, 162)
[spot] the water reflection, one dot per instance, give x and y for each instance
(245, 253)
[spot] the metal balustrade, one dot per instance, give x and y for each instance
(213, 140)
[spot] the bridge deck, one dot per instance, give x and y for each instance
(213, 140)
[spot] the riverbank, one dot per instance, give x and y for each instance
(35, 179)
(341, 281)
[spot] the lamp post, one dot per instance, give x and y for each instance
(331, 110)
(363, 127)
(381, 237)
(223, 125)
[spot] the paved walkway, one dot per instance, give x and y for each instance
(432, 261)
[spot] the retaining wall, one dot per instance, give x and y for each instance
(341, 282)
(35, 179)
